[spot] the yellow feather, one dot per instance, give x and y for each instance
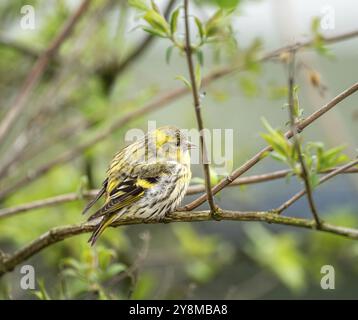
(101, 228)
(160, 137)
(144, 183)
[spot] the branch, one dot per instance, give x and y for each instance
(114, 70)
(55, 235)
(296, 139)
(330, 175)
(308, 43)
(38, 69)
(199, 119)
(70, 154)
(160, 102)
(33, 147)
(195, 189)
(262, 154)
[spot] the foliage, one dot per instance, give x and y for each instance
(84, 91)
(317, 158)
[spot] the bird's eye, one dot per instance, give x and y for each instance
(178, 140)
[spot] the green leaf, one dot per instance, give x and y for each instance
(200, 27)
(154, 6)
(72, 263)
(198, 76)
(279, 157)
(331, 158)
(212, 25)
(113, 270)
(155, 32)
(227, 4)
(139, 4)
(321, 48)
(105, 256)
(279, 143)
(315, 25)
(174, 21)
(276, 145)
(318, 43)
(69, 273)
(200, 56)
(42, 293)
(182, 78)
(216, 23)
(168, 54)
(157, 22)
(249, 86)
(298, 112)
(313, 179)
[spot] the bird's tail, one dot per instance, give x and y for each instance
(91, 203)
(106, 221)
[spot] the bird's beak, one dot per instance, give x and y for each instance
(191, 145)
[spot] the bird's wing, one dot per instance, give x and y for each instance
(123, 192)
(128, 191)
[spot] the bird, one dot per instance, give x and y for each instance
(146, 180)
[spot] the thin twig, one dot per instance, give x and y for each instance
(156, 104)
(263, 153)
(304, 44)
(34, 147)
(197, 106)
(195, 189)
(116, 70)
(70, 154)
(296, 139)
(160, 102)
(326, 177)
(55, 235)
(38, 69)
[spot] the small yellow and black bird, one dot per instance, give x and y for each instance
(147, 179)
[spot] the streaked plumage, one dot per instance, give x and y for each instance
(147, 179)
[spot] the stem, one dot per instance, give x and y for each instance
(197, 106)
(195, 189)
(301, 193)
(296, 139)
(55, 235)
(164, 100)
(37, 71)
(262, 154)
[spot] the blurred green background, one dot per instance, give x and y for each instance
(80, 95)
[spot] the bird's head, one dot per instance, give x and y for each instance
(172, 143)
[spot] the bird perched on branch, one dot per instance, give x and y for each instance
(146, 179)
